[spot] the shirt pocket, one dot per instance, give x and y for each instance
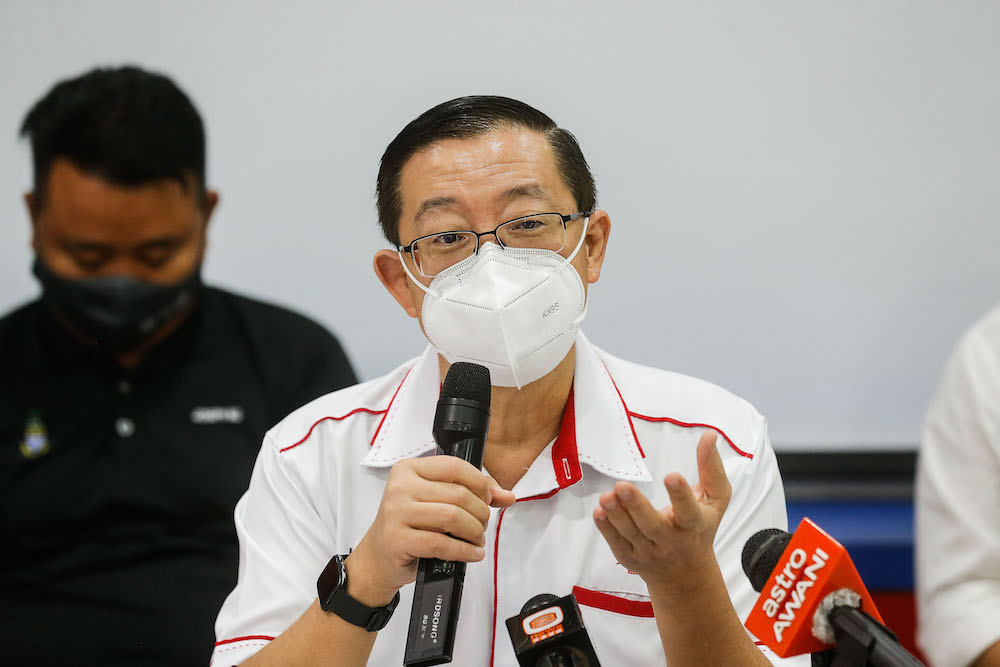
(621, 627)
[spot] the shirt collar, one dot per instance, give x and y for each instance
(596, 427)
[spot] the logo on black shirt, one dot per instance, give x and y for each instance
(36, 439)
(217, 414)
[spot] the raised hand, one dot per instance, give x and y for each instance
(668, 547)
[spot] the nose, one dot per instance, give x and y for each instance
(480, 241)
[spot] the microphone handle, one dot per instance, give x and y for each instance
(437, 593)
(862, 641)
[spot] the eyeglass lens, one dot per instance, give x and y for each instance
(434, 254)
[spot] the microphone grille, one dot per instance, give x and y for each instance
(540, 601)
(467, 380)
(761, 554)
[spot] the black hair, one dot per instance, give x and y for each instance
(123, 124)
(472, 116)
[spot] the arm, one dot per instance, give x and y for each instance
(957, 502)
(672, 550)
(991, 658)
(423, 500)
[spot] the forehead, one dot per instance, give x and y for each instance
(85, 204)
(476, 171)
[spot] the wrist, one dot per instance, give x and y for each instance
(702, 577)
(363, 585)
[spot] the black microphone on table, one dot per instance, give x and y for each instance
(549, 632)
(813, 601)
(461, 423)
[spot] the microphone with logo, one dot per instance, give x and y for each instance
(549, 632)
(813, 601)
(461, 423)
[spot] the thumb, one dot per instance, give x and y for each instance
(712, 478)
(497, 496)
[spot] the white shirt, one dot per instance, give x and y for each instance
(958, 504)
(320, 475)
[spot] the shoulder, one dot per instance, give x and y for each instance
(973, 371)
(659, 396)
(16, 328)
(266, 318)
(18, 317)
(981, 343)
(352, 413)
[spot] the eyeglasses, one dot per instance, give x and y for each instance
(434, 253)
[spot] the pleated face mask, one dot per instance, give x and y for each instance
(514, 310)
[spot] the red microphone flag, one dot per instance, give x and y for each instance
(812, 566)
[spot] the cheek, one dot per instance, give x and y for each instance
(580, 264)
(417, 299)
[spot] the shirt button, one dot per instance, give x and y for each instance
(124, 387)
(124, 426)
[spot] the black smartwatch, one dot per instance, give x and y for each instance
(332, 589)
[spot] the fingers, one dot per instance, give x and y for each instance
(646, 518)
(616, 507)
(453, 494)
(455, 470)
(712, 478)
(444, 518)
(424, 544)
(620, 547)
(683, 503)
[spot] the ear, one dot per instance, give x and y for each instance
(31, 202)
(211, 201)
(596, 243)
(391, 273)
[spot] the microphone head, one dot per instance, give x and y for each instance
(810, 565)
(761, 554)
(538, 602)
(467, 380)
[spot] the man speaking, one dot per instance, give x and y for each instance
(492, 210)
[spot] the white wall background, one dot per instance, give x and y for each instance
(805, 195)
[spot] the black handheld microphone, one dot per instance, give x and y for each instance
(461, 423)
(549, 632)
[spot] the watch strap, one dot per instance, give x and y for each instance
(333, 597)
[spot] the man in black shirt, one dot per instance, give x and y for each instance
(133, 399)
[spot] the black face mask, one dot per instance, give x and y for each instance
(116, 312)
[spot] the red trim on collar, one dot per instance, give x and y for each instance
(677, 422)
(352, 412)
(565, 456)
(391, 401)
(628, 413)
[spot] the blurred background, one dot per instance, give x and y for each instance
(804, 195)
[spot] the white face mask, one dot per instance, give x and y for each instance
(514, 310)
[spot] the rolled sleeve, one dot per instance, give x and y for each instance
(284, 545)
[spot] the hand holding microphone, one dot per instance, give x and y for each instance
(434, 507)
(461, 424)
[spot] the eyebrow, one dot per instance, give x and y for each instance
(528, 191)
(430, 204)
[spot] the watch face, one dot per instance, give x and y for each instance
(330, 580)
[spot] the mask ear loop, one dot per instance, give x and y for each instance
(433, 293)
(583, 235)
(579, 244)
